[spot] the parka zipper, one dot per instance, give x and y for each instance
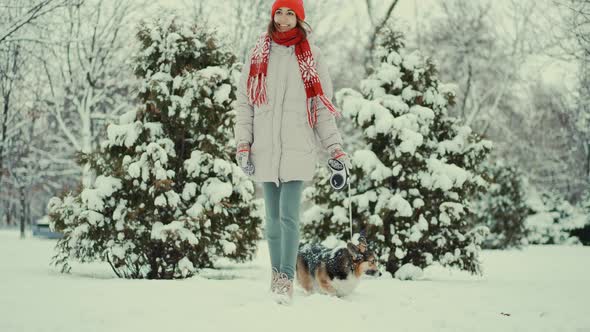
(284, 88)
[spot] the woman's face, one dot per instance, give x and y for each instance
(285, 19)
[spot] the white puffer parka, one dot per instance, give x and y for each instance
(283, 147)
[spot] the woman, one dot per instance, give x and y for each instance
(283, 102)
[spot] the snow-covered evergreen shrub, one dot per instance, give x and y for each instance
(502, 207)
(552, 219)
(583, 233)
(167, 198)
(410, 185)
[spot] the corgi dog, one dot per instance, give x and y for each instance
(334, 271)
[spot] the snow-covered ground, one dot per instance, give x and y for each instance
(542, 288)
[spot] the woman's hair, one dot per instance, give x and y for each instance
(301, 25)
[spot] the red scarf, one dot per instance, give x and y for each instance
(307, 67)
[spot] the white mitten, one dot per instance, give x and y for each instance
(243, 158)
(335, 151)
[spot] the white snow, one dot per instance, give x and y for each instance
(174, 230)
(128, 117)
(197, 162)
(125, 134)
(398, 203)
(189, 191)
(542, 288)
(388, 73)
(412, 61)
(409, 272)
(457, 144)
(105, 186)
(443, 176)
(368, 161)
(222, 94)
(222, 167)
(340, 215)
(155, 129)
(215, 190)
(186, 266)
(228, 247)
(196, 210)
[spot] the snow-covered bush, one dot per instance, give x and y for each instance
(410, 185)
(502, 207)
(552, 219)
(167, 199)
(583, 233)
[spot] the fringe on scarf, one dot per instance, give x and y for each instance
(313, 108)
(257, 89)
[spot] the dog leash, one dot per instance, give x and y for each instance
(350, 210)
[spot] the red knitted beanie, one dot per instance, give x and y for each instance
(295, 5)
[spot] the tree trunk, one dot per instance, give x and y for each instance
(3, 138)
(23, 214)
(8, 213)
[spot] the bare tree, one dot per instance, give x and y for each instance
(251, 19)
(482, 55)
(62, 79)
(580, 27)
(548, 145)
(9, 75)
(571, 38)
(483, 47)
(23, 171)
(29, 12)
(87, 74)
(13, 56)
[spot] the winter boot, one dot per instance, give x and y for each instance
(284, 289)
(274, 280)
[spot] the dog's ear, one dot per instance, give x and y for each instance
(363, 236)
(362, 241)
(354, 250)
(362, 247)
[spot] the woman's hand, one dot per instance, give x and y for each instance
(243, 158)
(335, 151)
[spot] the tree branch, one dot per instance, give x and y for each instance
(35, 12)
(377, 29)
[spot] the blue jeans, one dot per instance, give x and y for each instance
(282, 206)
